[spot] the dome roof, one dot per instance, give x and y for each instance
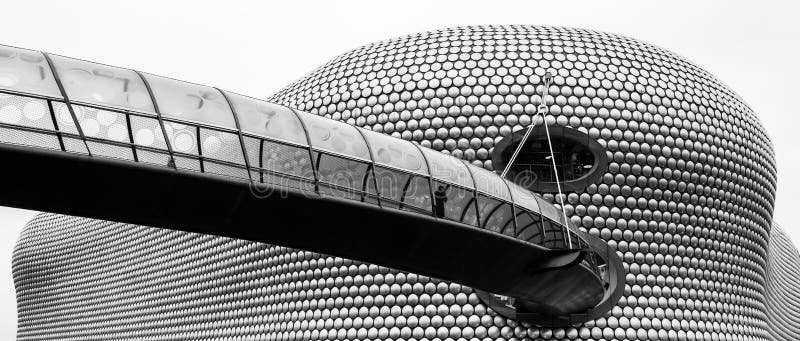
(461, 89)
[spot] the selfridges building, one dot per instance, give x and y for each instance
(656, 157)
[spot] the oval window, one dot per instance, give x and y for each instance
(579, 160)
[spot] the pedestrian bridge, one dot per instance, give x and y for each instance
(97, 141)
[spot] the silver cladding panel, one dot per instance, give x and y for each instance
(687, 202)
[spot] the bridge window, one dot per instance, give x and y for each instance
(335, 137)
(267, 119)
(192, 102)
(455, 203)
(403, 190)
(448, 168)
(26, 71)
(549, 211)
(101, 84)
(278, 163)
(395, 152)
(496, 215)
(345, 178)
(554, 237)
(489, 183)
(529, 226)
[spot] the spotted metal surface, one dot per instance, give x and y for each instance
(783, 286)
(687, 202)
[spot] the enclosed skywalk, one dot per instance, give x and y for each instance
(103, 142)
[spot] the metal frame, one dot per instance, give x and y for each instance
(371, 168)
(310, 150)
(55, 125)
(238, 132)
(66, 101)
(513, 207)
(475, 193)
(160, 118)
(430, 178)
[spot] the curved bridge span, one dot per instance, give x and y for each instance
(103, 142)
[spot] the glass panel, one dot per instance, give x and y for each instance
(191, 102)
(395, 152)
(418, 194)
(403, 189)
(350, 174)
(447, 168)
(576, 241)
(529, 226)
(490, 183)
(333, 136)
(280, 158)
(454, 203)
(267, 119)
(102, 84)
(523, 197)
(548, 210)
(26, 71)
(283, 159)
(496, 215)
(391, 185)
(554, 235)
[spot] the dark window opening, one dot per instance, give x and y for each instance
(572, 160)
(576, 159)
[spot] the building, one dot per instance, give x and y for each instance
(684, 195)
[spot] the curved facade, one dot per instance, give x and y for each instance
(783, 286)
(686, 201)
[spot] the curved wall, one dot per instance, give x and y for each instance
(687, 202)
(783, 286)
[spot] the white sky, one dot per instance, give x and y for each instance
(256, 49)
